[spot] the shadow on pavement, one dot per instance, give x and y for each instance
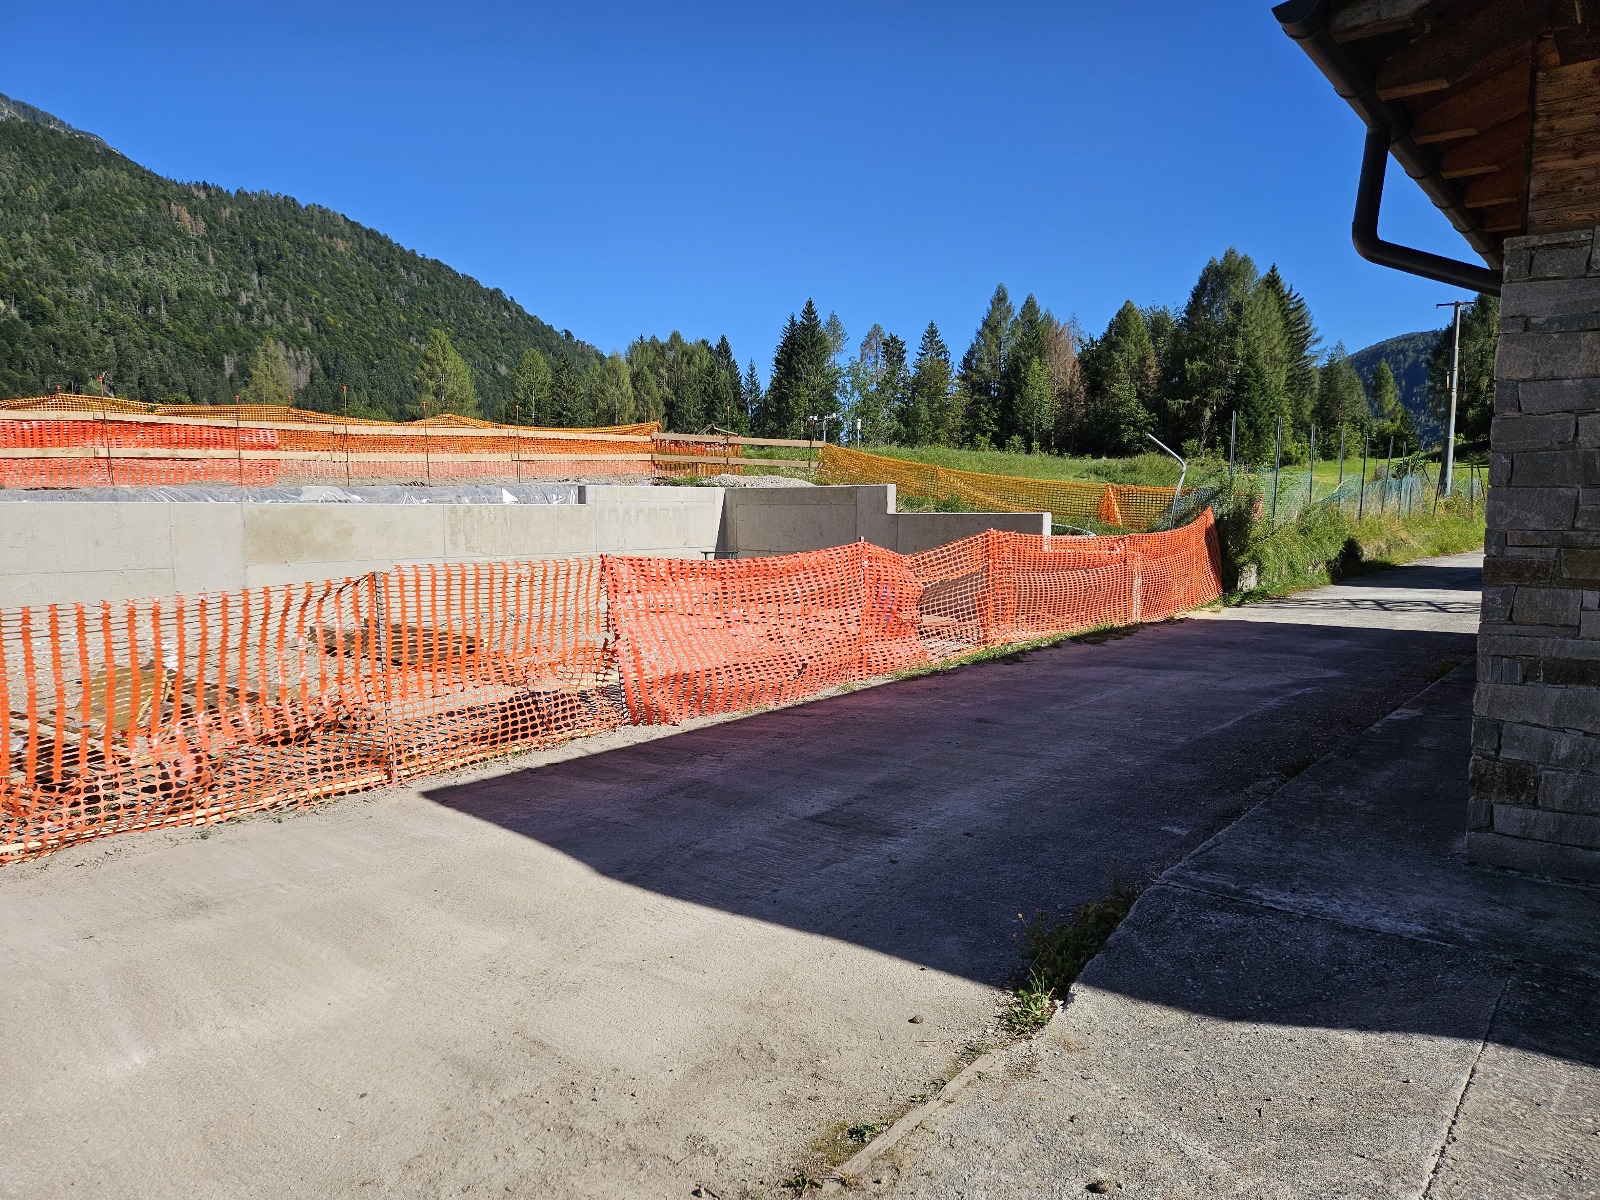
(920, 818)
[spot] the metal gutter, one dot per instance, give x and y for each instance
(1306, 21)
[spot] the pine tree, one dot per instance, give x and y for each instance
(804, 381)
(530, 390)
(566, 403)
(270, 379)
(779, 414)
(1341, 400)
(1300, 341)
(728, 407)
(1025, 342)
(444, 381)
(930, 414)
(1258, 408)
(1209, 348)
(982, 373)
(751, 394)
(1389, 415)
(1121, 375)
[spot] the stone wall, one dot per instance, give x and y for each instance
(1536, 735)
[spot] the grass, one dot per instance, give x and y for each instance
(1323, 544)
(1055, 952)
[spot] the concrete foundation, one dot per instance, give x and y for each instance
(87, 551)
(1535, 781)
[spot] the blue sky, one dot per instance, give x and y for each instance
(626, 168)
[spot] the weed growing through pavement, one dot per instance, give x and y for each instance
(1055, 952)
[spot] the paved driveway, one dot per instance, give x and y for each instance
(642, 963)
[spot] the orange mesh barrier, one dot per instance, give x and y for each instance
(86, 441)
(695, 638)
(187, 711)
(1065, 499)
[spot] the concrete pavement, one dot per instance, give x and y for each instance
(1324, 1000)
(645, 962)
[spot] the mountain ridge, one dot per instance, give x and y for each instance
(168, 287)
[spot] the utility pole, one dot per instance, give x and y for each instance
(1447, 478)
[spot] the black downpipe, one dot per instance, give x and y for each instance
(1364, 230)
(1306, 21)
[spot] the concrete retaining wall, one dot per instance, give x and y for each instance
(90, 551)
(762, 521)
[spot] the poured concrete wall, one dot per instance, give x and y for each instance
(59, 552)
(761, 521)
(87, 551)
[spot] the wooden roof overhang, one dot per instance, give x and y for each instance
(1491, 106)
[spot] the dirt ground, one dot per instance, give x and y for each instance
(642, 963)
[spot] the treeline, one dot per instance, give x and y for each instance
(1243, 342)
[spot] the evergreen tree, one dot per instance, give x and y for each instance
(444, 381)
(1259, 410)
(1389, 416)
(804, 379)
(982, 373)
(270, 379)
(1341, 400)
(1121, 375)
(729, 410)
(530, 390)
(1209, 345)
(1025, 342)
(1480, 330)
(1298, 347)
(930, 414)
(566, 401)
(751, 394)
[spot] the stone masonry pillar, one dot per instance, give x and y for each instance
(1535, 776)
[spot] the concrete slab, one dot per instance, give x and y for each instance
(639, 963)
(1323, 1000)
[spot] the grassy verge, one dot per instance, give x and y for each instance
(1324, 545)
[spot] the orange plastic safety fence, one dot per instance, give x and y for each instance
(149, 713)
(695, 638)
(87, 441)
(1065, 499)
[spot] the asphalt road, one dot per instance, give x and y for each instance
(647, 962)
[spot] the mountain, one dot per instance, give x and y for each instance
(1407, 356)
(168, 287)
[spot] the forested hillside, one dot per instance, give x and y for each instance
(171, 290)
(1407, 356)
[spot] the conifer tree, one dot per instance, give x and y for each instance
(1061, 359)
(804, 379)
(1025, 342)
(444, 381)
(751, 394)
(982, 373)
(1480, 331)
(1121, 375)
(1341, 400)
(530, 390)
(566, 403)
(270, 379)
(930, 415)
(1210, 347)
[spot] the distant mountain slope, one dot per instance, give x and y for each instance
(1407, 356)
(167, 287)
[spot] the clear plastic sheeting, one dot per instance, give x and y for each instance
(460, 493)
